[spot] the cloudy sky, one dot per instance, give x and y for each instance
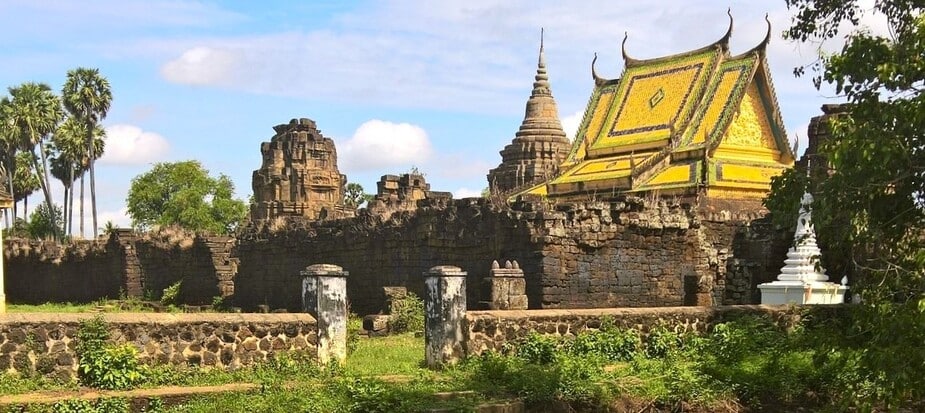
(439, 86)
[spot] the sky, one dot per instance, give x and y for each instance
(435, 85)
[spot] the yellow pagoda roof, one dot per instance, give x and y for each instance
(678, 123)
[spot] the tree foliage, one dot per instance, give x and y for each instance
(355, 195)
(183, 193)
(869, 199)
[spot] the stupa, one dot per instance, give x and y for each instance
(801, 281)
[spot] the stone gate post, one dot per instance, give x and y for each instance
(445, 315)
(324, 296)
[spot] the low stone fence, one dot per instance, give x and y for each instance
(490, 330)
(44, 343)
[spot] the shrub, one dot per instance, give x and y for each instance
(171, 294)
(407, 314)
(537, 349)
(610, 344)
(660, 342)
(102, 364)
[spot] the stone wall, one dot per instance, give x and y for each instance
(125, 264)
(633, 253)
(490, 330)
(44, 343)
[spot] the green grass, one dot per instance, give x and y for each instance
(393, 355)
(50, 308)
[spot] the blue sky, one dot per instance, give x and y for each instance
(440, 86)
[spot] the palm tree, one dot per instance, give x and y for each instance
(87, 97)
(72, 161)
(25, 180)
(35, 112)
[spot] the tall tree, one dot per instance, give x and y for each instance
(183, 193)
(355, 195)
(870, 202)
(72, 160)
(35, 112)
(25, 180)
(87, 97)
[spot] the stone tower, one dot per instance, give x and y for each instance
(539, 146)
(299, 175)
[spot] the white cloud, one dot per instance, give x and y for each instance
(130, 145)
(379, 144)
(466, 193)
(570, 124)
(201, 66)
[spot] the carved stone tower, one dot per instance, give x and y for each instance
(299, 175)
(539, 146)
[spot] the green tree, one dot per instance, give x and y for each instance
(45, 222)
(355, 195)
(71, 160)
(25, 180)
(183, 193)
(35, 112)
(87, 97)
(869, 200)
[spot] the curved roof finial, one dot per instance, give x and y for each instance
(725, 39)
(767, 37)
(597, 79)
(626, 57)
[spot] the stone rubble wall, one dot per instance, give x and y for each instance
(125, 264)
(44, 343)
(490, 330)
(634, 253)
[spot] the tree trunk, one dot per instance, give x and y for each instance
(70, 202)
(25, 208)
(92, 175)
(9, 178)
(43, 182)
(82, 235)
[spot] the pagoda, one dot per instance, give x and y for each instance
(539, 147)
(703, 122)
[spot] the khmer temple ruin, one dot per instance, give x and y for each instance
(699, 123)
(657, 202)
(299, 175)
(539, 146)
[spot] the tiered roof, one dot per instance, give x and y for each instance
(676, 124)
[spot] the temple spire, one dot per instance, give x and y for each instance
(540, 145)
(541, 84)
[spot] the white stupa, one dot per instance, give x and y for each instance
(800, 281)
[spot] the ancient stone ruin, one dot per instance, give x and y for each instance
(402, 193)
(299, 175)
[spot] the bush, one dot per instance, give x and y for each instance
(537, 349)
(171, 294)
(611, 344)
(407, 314)
(102, 364)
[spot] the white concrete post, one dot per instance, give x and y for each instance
(444, 315)
(324, 296)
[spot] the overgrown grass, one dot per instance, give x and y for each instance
(392, 355)
(748, 362)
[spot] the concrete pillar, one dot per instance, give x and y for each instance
(324, 296)
(445, 315)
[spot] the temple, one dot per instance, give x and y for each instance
(299, 175)
(704, 122)
(539, 147)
